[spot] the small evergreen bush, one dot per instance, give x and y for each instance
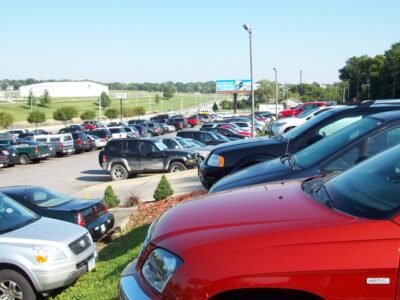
(163, 189)
(110, 198)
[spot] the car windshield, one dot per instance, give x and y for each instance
(299, 130)
(196, 143)
(221, 137)
(160, 145)
(13, 215)
(333, 143)
(370, 189)
(45, 198)
(184, 143)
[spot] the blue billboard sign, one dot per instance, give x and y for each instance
(233, 86)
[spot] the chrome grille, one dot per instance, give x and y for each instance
(80, 245)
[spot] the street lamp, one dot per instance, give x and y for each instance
(276, 93)
(248, 29)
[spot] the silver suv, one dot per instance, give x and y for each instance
(39, 254)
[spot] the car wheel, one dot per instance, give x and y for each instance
(15, 286)
(24, 159)
(176, 167)
(118, 172)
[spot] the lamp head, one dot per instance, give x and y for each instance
(247, 28)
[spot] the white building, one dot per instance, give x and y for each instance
(65, 89)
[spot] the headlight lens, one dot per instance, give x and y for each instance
(216, 160)
(159, 267)
(48, 254)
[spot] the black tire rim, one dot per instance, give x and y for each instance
(119, 173)
(10, 289)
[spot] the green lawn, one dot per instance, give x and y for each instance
(20, 110)
(102, 283)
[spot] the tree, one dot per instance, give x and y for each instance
(110, 198)
(157, 99)
(36, 117)
(105, 100)
(31, 99)
(88, 115)
(65, 114)
(6, 119)
(168, 90)
(215, 107)
(163, 189)
(392, 71)
(45, 99)
(112, 113)
(265, 91)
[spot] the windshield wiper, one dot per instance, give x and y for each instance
(327, 199)
(290, 158)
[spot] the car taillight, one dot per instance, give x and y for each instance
(78, 141)
(105, 207)
(79, 219)
(36, 150)
(5, 152)
(62, 146)
(104, 158)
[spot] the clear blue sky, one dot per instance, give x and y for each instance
(187, 40)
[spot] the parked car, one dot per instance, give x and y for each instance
(12, 155)
(71, 128)
(229, 133)
(45, 150)
(16, 132)
(99, 143)
(235, 156)
(178, 122)
(102, 133)
(137, 122)
(63, 142)
(141, 130)
(27, 153)
(337, 152)
(300, 108)
(4, 160)
(131, 132)
(193, 121)
(153, 129)
(168, 127)
(91, 214)
(181, 143)
(124, 157)
(321, 238)
(38, 254)
(281, 126)
(81, 142)
(206, 137)
(118, 132)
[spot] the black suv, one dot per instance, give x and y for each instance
(124, 157)
(237, 155)
(205, 137)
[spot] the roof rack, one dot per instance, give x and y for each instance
(388, 101)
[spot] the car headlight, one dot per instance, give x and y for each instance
(159, 267)
(216, 160)
(48, 254)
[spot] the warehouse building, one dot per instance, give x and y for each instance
(65, 89)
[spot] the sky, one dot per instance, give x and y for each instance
(188, 41)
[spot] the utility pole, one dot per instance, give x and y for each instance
(99, 108)
(276, 92)
(181, 103)
(249, 30)
(301, 75)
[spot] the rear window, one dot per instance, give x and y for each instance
(116, 130)
(67, 138)
(54, 139)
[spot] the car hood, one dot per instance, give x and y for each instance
(259, 216)
(44, 231)
(268, 171)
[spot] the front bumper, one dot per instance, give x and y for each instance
(131, 288)
(209, 175)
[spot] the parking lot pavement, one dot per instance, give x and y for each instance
(142, 186)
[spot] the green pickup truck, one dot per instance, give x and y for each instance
(28, 152)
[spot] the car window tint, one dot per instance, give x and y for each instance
(171, 144)
(147, 147)
(132, 147)
(337, 125)
(41, 140)
(114, 148)
(54, 139)
(206, 137)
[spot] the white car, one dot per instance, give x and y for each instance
(98, 142)
(117, 132)
(283, 125)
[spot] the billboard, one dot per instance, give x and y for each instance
(233, 86)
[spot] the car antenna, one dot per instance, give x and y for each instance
(287, 144)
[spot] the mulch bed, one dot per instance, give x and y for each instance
(148, 211)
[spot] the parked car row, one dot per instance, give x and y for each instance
(270, 235)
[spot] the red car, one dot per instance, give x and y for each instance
(299, 109)
(329, 237)
(193, 121)
(230, 126)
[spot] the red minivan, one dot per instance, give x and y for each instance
(327, 237)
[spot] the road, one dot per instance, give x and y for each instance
(63, 174)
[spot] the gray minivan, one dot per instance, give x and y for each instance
(38, 254)
(63, 142)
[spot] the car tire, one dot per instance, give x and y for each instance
(16, 285)
(118, 172)
(24, 159)
(176, 167)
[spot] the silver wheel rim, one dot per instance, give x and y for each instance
(10, 290)
(176, 168)
(119, 173)
(23, 161)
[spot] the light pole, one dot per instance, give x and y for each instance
(276, 93)
(248, 29)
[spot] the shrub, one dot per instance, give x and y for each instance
(163, 189)
(110, 198)
(6, 119)
(133, 200)
(65, 114)
(226, 104)
(88, 115)
(112, 113)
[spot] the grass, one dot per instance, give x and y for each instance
(20, 110)
(102, 283)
